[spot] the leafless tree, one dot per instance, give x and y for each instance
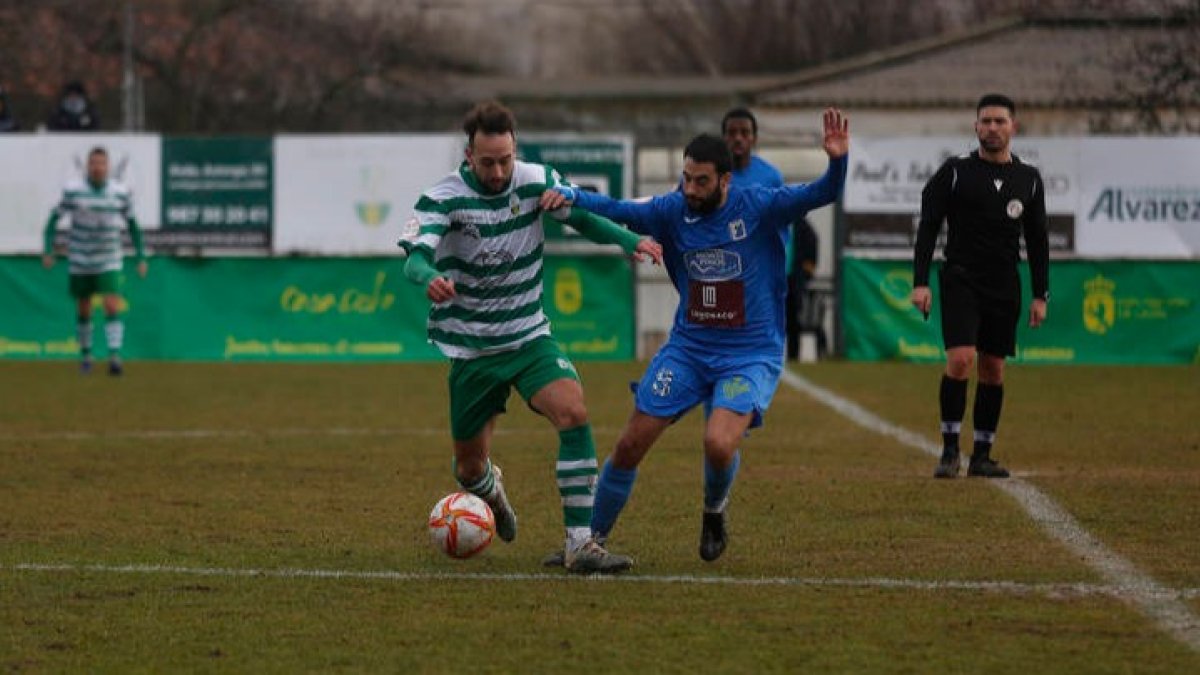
(1159, 90)
(724, 37)
(228, 65)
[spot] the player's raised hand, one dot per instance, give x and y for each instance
(142, 268)
(647, 248)
(557, 197)
(440, 289)
(837, 133)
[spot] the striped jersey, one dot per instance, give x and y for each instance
(97, 217)
(490, 246)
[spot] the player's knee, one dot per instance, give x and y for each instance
(958, 364)
(719, 448)
(991, 371)
(569, 416)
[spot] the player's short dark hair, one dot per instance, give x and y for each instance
(489, 117)
(98, 150)
(709, 149)
(989, 100)
(740, 114)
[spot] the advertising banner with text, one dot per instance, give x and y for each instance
(338, 309)
(351, 195)
(217, 192)
(882, 203)
(1140, 197)
(1100, 312)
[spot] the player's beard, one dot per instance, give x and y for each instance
(993, 143)
(705, 205)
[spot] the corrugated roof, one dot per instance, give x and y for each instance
(607, 88)
(1037, 62)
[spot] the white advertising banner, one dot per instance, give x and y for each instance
(350, 195)
(34, 169)
(886, 175)
(1139, 197)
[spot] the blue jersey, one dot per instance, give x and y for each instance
(761, 172)
(758, 172)
(728, 266)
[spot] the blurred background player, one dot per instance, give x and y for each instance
(803, 311)
(739, 128)
(988, 198)
(98, 208)
(476, 245)
(724, 251)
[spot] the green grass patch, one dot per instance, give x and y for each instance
(335, 467)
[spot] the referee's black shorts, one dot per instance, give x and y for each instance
(980, 310)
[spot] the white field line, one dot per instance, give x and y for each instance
(186, 434)
(1161, 604)
(1005, 587)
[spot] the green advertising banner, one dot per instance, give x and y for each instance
(1100, 312)
(218, 186)
(318, 309)
(597, 165)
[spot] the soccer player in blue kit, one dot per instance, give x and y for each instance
(723, 248)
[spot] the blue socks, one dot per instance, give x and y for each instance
(617, 484)
(718, 483)
(611, 494)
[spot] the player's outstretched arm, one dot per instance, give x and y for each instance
(793, 201)
(638, 215)
(604, 231)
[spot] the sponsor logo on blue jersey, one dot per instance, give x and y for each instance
(713, 265)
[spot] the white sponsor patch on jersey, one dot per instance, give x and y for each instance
(1014, 209)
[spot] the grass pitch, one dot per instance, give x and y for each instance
(307, 472)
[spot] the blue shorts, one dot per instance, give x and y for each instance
(678, 379)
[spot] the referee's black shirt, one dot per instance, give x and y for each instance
(987, 207)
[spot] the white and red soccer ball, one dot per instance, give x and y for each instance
(461, 525)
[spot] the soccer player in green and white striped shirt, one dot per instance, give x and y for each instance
(97, 208)
(476, 245)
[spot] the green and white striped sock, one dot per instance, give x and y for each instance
(576, 475)
(485, 486)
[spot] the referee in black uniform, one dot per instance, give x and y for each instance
(989, 198)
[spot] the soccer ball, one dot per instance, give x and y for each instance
(461, 525)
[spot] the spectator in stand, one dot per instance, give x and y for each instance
(7, 121)
(75, 110)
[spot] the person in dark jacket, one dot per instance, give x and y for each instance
(7, 121)
(75, 110)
